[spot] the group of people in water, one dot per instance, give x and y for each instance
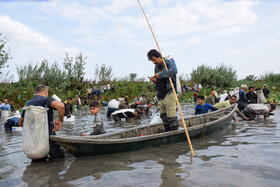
(249, 104)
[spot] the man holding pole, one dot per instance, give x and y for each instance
(165, 95)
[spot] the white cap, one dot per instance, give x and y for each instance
(243, 86)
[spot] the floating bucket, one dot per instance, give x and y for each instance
(71, 119)
(16, 128)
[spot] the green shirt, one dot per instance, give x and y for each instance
(224, 104)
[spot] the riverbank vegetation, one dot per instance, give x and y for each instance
(67, 81)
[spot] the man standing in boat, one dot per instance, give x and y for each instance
(165, 95)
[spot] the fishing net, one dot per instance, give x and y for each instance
(35, 132)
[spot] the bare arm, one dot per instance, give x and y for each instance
(241, 115)
(60, 109)
(20, 122)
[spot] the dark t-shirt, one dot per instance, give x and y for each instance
(266, 92)
(161, 86)
(44, 102)
(68, 109)
(252, 97)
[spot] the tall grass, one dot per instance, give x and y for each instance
(220, 76)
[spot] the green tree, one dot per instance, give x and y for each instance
(74, 70)
(30, 72)
(5, 55)
(103, 73)
(79, 67)
(132, 76)
(250, 78)
(68, 66)
(221, 75)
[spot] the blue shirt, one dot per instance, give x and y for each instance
(242, 96)
(44, 102)
(4, 106)
(203, 109)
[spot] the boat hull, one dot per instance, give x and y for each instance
(87, 146)
(81, 150)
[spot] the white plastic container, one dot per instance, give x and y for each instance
(71, 119)
(56, 97)
(16, 128)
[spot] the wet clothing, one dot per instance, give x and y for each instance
(165, 95)
(257, 109)
(110, 111)
(224, 104)
(12, 122)
(252, 97)
(99, 125)
(122, 104)
(145, 108)
(266, 92)
(44, 102)
(112, 107)
(243, 101)
(168, 105)
(204, 108)
(68, 110)
(55, 151)
(123, 113)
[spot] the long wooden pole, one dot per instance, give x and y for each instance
(171, 83)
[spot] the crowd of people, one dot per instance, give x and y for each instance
(250, 103)
(95, 92)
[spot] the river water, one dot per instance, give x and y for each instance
(245, 154)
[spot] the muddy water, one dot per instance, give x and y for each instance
(245, 154)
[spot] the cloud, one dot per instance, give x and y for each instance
(192, 16)
(230, 31)
(73, 11)
(167, 18)
(27, 44)
(272, 41)
(273, 21)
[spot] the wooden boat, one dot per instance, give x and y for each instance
(145, 135)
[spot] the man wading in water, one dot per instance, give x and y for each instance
(41, 99)
(165, 95)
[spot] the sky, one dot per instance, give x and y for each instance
(242, 34)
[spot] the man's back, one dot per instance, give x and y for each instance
(222, 104)
(44, 102)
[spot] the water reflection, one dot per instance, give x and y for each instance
(245, 154)
(149, 167)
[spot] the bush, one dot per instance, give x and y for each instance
(220, 76)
